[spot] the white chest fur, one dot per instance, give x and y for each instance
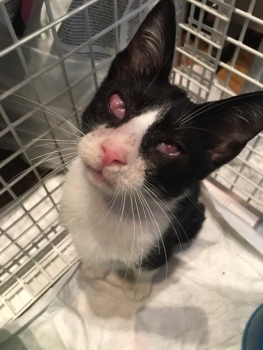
(108, 232)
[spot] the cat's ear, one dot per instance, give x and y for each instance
(151, 50)
(227, 125)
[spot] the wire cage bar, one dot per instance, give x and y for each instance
(49, 73)
(219, 56)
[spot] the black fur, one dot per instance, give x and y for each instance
(208, 135)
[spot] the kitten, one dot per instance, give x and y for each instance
(132, 194)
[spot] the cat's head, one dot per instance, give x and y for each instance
(143, 132)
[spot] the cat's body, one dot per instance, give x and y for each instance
(132, 194)
(127, 238)
(117, 236)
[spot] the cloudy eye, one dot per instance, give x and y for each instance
(117, 106)
(169, 149)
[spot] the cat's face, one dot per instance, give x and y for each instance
(143, 132)
(135, 137)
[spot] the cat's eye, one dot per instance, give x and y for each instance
(169, 148)
(117, 106)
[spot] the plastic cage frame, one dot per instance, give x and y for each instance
(35, 251)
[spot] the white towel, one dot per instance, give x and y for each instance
(211, 291)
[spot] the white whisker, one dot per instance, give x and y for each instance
(122, 211)
(160, 233)
(48, 109)
(55, 151)
(169, 210)
(55, 125)
(113, 199)
(55, 171)
(141, 196)
(140, 223)
(57, 140)
(193, 200)
(133, 241)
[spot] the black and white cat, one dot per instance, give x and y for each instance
(132, 194)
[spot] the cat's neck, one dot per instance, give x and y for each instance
(137, 205)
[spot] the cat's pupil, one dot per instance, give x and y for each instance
(169, 149)
(117, 106)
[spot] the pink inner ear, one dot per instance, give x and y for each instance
(117, 106)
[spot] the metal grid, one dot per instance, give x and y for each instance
(41, 101)
(206, 75)
(39, 127)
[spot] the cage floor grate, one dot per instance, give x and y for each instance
(32, 260)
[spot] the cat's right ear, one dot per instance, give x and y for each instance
(150, 52)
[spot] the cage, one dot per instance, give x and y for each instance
(51, 64)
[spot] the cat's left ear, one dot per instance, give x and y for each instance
(226, 126)
(151, 50)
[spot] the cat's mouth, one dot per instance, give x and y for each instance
(96, 174)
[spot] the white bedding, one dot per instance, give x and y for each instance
(210, 293)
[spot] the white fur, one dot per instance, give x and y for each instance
(99, 236)
(108, 234)
(141, 123)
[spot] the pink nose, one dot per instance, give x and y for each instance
(112, 154)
